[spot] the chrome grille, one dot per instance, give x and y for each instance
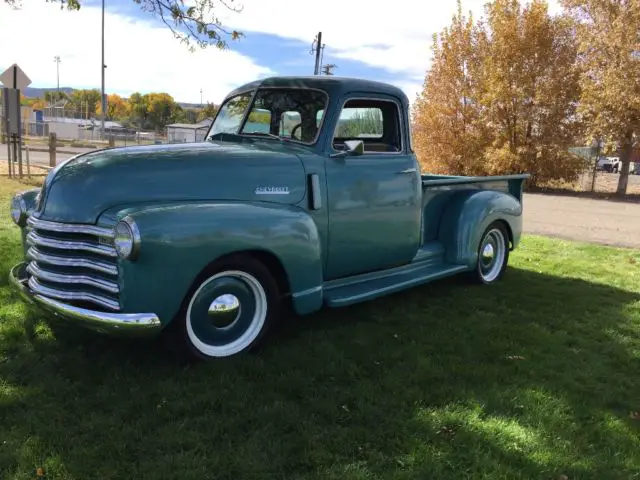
(74, 263)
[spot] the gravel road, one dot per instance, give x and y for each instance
(589, 220)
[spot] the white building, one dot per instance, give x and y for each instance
(188, 132)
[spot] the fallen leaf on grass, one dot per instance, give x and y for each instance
(446, 430)
(40, 472)
(515, 357)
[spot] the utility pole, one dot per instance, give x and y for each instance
(201, 104)
(317, 47)
(102, 102)
(57, 60)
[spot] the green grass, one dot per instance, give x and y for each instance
(534, 378)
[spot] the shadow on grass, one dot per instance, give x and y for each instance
(531, 378)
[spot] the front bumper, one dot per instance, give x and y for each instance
(116, 323)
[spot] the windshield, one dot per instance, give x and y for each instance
(286, 113)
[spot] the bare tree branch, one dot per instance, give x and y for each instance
(194, 25)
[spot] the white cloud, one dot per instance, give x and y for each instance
(138, 56)
(395, 36)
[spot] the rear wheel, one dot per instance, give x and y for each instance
(493, 254)
(230, 310)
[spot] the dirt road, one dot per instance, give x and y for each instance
(589, 220)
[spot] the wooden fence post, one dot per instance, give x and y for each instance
(28, 163)
(52, 149)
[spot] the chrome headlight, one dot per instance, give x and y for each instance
(18, 209)
(126, 238)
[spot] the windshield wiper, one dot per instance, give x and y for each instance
(270, 135)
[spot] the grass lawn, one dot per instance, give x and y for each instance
(535, 378)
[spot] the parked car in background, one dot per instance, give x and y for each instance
(608, 164)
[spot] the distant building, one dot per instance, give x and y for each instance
(188, 132)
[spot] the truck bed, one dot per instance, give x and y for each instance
(438, 190)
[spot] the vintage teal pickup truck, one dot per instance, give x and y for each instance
(304, 194)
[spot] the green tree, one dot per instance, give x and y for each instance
(609, 48)
(84, 102)
(193, 22)
(51, 96)
(367, 122)
(208, 111)
(138, 106)
(161, 110)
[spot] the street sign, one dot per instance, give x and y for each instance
(14, 77)
(11, 101)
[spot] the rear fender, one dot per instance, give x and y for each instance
(467, 216)
(179, 241)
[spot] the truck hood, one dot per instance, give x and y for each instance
(80, 189)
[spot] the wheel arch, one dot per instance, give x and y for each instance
(468, 215)
(180, 242)
(269, 259)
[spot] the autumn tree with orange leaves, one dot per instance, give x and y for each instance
(609, 53)
(117, 107)
(500, 96)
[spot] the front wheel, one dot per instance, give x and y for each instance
(493, 254)
(229, 312)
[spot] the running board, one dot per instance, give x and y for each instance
(357, 289)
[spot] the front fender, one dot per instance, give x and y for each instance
(178, 241)
(467, 216)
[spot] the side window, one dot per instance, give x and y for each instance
(375, 122)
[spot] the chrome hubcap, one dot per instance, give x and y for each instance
(224, 310)
(492, 254)
(487, 254)
(226, 313)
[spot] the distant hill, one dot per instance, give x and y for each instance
(33, 92)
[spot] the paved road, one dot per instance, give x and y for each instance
(589, 220)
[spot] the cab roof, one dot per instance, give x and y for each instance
(329, 83)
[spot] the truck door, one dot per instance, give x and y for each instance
(374, 198)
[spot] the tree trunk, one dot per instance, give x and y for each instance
(625, 160)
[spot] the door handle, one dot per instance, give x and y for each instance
(408, 170)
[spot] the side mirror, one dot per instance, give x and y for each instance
(354, 147)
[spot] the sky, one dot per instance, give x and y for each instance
(384, 41)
